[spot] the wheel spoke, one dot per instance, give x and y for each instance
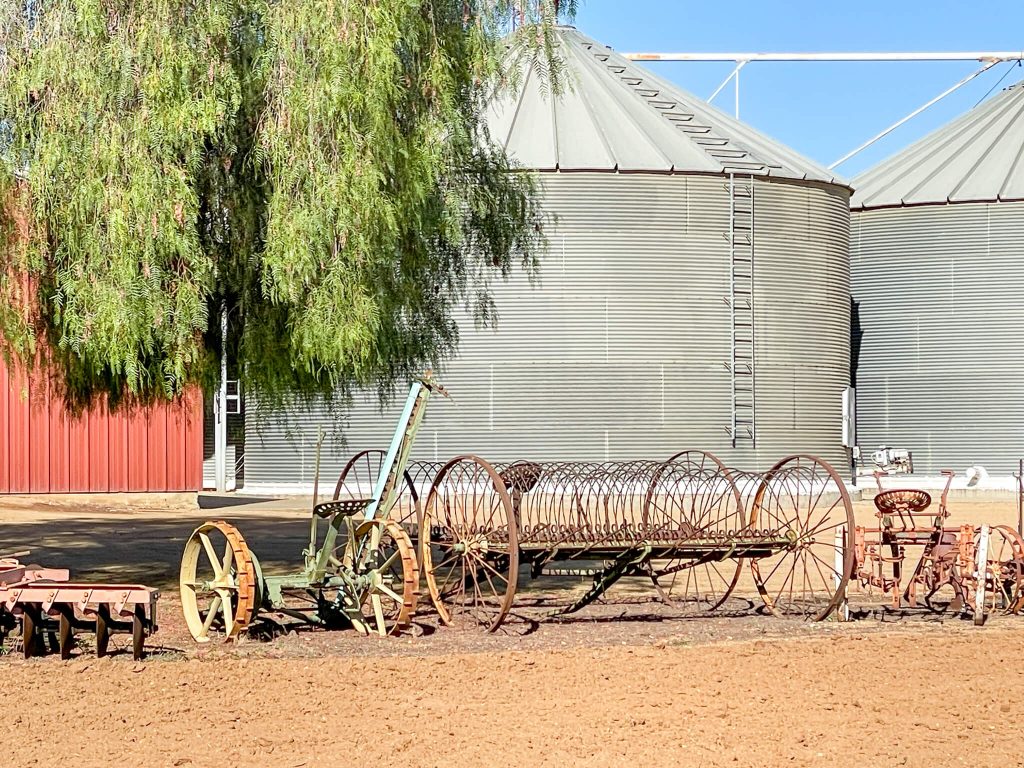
(448, 578)
(211, 615)
(229, 613)
(211, 554)
(488, 566)
(390, 560)
(378, 613)
(225, 564)
(393, 595)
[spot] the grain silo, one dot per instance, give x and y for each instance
(695, 294)
(937, 244)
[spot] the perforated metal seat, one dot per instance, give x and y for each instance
(907, 505)
(343, 507)
(901, 501)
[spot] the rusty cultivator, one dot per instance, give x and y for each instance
(913, 555)
(49, 606)
(363, 574)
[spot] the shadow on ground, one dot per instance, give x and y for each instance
(146, 550)
(219, 501)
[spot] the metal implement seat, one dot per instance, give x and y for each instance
(340, 508)
(906, 505)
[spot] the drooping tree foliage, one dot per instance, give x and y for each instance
(319, 169)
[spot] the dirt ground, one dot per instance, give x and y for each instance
(625, 682)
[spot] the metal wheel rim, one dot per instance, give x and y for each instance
(837, 589)
(370, 461)
(430, 518)
(236, 580)
(401, 605)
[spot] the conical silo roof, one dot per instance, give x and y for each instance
(975, 158)
(616, 116)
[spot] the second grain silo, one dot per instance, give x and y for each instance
(937, 246)
(695, 295)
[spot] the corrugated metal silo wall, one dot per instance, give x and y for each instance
(939, 291)
(619, 349)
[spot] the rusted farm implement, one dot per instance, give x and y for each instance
(48, 606)
(472, 530)
(689, 524)
(913, 555)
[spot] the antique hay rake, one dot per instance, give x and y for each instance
(689, 524)
(363, 574)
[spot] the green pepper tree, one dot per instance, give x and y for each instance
(320, 171)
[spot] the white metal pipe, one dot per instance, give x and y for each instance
(988, 56)
(725, 82)
(736, 83)
(221, 410)
(911, 116)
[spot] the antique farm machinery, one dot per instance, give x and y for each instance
(689, 524)
(700, 531)
(912, 554)
(363, 574)
(49, 606)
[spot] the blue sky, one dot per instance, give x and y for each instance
(821, 109)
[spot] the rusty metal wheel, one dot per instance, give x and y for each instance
(993, 571)
(379, 563)
(693, 496)
(1011, 578)
(469, 549)
(359, 476)
(803, 502)
(219, 587)
(1006, 567)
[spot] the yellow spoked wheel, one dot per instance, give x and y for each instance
(219, 586)
(380, 563)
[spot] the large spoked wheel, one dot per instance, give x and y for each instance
(693, 495)
(1010, 575)
(470, 545)
(219, 587)
(359, 477)
(803, 502)
(997, 572)
(380, 566)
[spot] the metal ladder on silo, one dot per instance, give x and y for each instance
(742, 429)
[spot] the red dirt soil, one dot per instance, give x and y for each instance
(878, 699)
(626, 682)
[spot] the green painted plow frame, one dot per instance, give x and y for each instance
(364, 574)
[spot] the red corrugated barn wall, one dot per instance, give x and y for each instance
(45, 450)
